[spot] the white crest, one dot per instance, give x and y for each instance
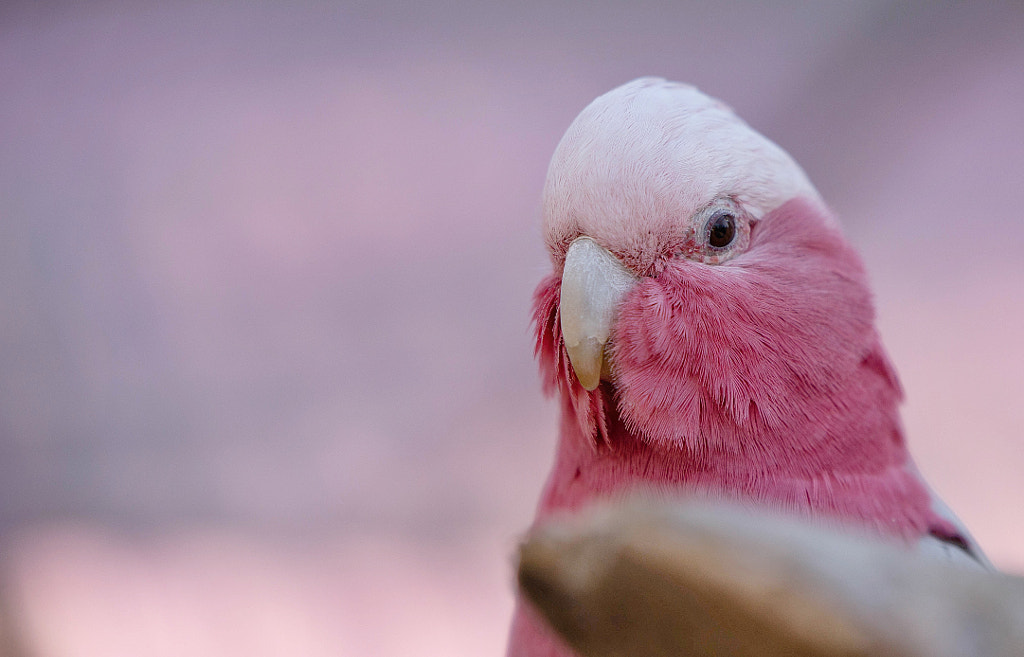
(642, 158)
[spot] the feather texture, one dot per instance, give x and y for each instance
(750, 372)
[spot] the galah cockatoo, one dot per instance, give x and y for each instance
(710, 332)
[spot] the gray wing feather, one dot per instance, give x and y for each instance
(965, 552)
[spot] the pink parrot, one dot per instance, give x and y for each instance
(710, 332)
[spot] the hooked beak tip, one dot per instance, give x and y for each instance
(587, 359)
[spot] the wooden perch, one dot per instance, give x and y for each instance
(649, 580)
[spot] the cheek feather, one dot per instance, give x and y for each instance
(591, 409)
(704, 351)
(771, 358)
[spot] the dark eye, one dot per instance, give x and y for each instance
(718, 232)
(721, 230)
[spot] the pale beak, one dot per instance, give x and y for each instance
(594, 283)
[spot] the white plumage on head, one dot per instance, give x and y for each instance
(644, 157)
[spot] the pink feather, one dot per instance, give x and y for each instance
(760, 379)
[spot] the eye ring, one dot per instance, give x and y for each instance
(718, 232)
(721, 229)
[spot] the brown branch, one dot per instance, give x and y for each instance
(651, 580)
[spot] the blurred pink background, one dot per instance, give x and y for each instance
(266, 381)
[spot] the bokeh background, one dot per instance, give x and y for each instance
(266, 381)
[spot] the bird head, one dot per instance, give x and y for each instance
(701, 292)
